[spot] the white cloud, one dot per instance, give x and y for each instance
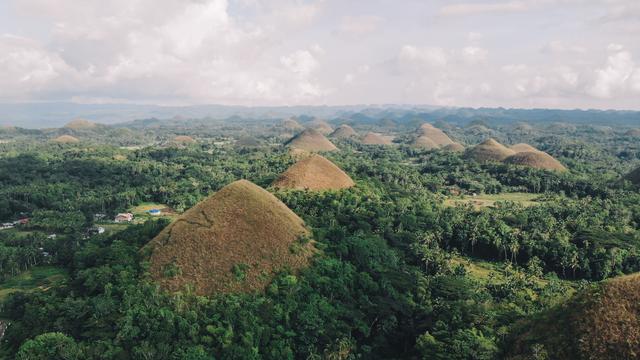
(433, 56)
(300, 62)
(359, 25)
(615, 76)
(469, 8)
(474, 54)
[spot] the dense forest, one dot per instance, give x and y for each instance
(411, 263)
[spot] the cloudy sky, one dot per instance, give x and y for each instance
(511, 53)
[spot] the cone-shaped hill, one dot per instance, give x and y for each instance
(633, 133)
(183, 139)
(535, 159)
(66, 139)
(320, 125)
(489, 150)
(522, 147)
(634, 176)
(232, 241)
(344, 132)
(311, 140)
(79, 124)
(424, 142)
(375, 139)
(291, 124)
(434, 134)
(455, 147)
(314, 173)
(600, 322)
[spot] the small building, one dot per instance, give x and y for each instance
(155, 212)
(100, 230)
(6, 226)
(23, 221)
(124, 217)
(52, 236)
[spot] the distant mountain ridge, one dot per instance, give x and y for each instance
(48, 115)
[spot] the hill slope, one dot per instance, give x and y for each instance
(78, 124)
(436, 135)
(535, 159)
(314, 173)
(311, 140)
(232, 241)
(66, 139)
(344, 132)
(601, 322)
(489, 150)
(375, 139)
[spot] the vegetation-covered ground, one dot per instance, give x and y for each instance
(400, 273)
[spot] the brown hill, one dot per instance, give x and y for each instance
(66, 139)
(375, 139)
(78, 124)
(291, 124)
(320, 125)
(455, 147)
(311, 140)
(601, 322)
(535, 159)
(634, 176)
(183, 139)
(314, 173)
(344, 132)
(436, 135)
(489, 150)
(424, 142)
(522, 147)
(232, 241)
(633, 133)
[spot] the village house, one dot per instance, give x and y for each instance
(124, 217)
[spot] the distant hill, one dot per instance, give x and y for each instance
(311, 140)
(80, 124)
(233, 241)
(375, 139)
(66, 139)
(314, 173)
(535, 159)
(343, 132)
(489, 150)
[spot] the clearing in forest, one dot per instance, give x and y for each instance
(489, 200)
(39, 277)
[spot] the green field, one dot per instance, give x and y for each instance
(487, 200)
(39, 277)
(141, 213)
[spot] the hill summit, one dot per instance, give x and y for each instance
(535, 159)
(320, 125)
(291, 124)
(522, 147)
(314, 173)
(233, 241)
(434, 134)
(66, 139)
(183, 139)
(311, 140)
(344, 132)
(78, 124)
(489, 150)
(372, 138)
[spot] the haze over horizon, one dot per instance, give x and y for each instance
(561, 54)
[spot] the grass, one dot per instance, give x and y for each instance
(488, 200)
(36, 278)
(141, 212)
